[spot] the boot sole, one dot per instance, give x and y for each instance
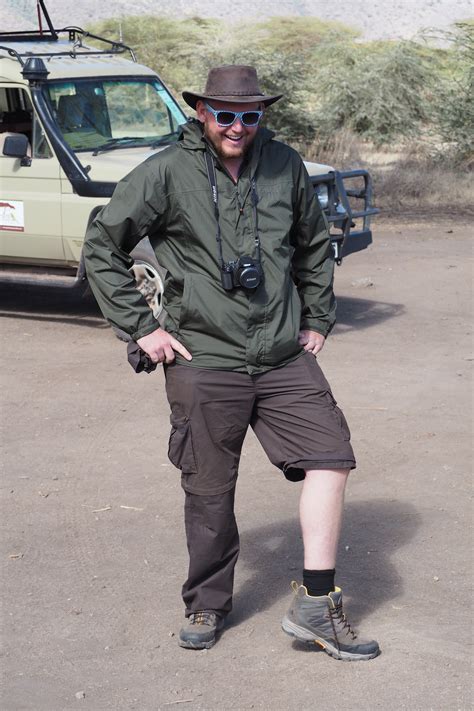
(188, 644)
(304, 635)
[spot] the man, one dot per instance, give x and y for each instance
(234, 220)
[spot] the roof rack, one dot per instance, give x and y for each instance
(76, 35)
(39, 34)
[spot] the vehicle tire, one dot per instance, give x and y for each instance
(149, 282)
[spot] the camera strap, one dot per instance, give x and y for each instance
(211, 175)
(254, 196)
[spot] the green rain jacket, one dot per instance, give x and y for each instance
(168, 198)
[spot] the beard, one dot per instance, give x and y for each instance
(225, 147)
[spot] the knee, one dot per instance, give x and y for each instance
(214, 512)
(210, 517)
(330, 478)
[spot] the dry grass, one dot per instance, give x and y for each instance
(406, 180)
(344, 150)
(413, 187)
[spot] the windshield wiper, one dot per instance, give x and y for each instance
(116, 143)
(139, 140)
(163, 139)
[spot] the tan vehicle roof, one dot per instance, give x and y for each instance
(67, 67)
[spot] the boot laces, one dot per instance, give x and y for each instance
(202, 618)
(338, 616)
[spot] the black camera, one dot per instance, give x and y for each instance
(245, 272)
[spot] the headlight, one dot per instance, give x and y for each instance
(323, 194)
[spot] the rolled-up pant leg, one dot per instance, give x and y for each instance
(213, 545)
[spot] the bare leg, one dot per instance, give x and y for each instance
(321, 504)
(308, 619)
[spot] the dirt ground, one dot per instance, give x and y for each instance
(93, 550)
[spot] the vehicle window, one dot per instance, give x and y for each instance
(91, 112)
(17, 116)
(41, 147)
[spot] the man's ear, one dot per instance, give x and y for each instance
(201, 111)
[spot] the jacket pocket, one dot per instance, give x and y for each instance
(283, 325)
(180, 446)
(213, 316)
(338, 416)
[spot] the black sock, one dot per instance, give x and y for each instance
(319, 582)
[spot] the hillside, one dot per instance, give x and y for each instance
(375, 19)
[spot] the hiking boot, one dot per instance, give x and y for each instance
(321, 620)
(200, 630)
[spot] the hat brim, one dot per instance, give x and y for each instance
(191, 99)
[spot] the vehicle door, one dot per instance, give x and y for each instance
(30, 195)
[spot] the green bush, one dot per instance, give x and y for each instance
(378, 92)
(173, 48)
(453, 110)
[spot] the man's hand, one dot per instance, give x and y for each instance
(312, 341)
(160, 346)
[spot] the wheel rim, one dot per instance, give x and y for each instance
(150, 284)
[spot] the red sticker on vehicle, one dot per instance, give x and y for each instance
(12, 216)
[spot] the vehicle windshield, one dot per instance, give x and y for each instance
(93, 113)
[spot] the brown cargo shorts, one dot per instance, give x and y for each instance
(291, 410)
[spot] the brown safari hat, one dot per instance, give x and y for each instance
(234, 83)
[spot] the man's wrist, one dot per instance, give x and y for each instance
(145, 331)
(317, 328)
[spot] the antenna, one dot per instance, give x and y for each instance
(41, 9)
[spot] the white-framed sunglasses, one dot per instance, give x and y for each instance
(225, 118)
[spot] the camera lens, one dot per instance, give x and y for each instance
(249, 277)
(248, 273)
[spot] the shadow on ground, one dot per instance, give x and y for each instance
(33, 302)
(373, 531)
(78, 306)
(356, 314)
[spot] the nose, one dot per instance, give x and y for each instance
(237, 126)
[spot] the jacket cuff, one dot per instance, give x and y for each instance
(310, 324)
(145, 330)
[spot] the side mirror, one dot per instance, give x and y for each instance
(17, 146)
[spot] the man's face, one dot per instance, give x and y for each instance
(229, 141)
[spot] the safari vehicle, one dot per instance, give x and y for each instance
(74, 119)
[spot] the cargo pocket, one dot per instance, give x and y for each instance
(339, 416)
(180, 446)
